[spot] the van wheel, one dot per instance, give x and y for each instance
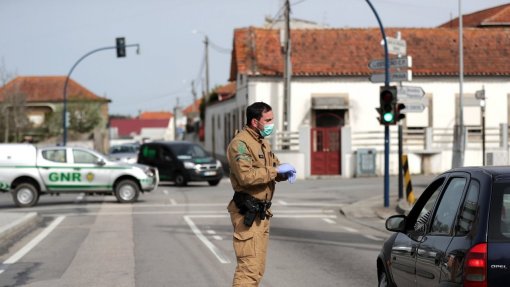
(127, 191)
(180, 180)
(25, 195)
(214, 182)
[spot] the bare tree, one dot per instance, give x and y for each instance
(13, 107)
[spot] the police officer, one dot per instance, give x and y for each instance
(254, 171)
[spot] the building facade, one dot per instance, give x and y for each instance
(332, 115)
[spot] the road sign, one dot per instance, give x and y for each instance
(405, 76)
(480, 95)
(396, 46)
(405, 62)
(413, 108)
(410, 92)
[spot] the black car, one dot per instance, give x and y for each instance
(181, 162)
(457, 233)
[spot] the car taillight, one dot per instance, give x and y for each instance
(475, 269)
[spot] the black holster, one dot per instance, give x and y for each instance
(249, 206)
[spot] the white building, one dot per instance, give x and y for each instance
(333, 116)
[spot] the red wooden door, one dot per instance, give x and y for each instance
(325, 151)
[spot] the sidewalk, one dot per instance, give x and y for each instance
(371, 211)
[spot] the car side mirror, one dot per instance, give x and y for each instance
(396, 223)
(100, 162)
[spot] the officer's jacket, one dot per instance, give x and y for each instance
(252, 165)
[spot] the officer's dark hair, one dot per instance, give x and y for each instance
(255, 111)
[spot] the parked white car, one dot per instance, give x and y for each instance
(28, 172)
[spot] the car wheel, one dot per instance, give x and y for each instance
(25, 195)
(214, 182)
(383, 280)
(180, 180)
(127, 191)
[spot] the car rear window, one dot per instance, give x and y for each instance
(499, 217)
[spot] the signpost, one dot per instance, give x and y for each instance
(404, 76)
(406, 62)
(396, 46)
(413, 107)
(410, 93)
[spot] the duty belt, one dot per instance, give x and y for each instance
(250, 207)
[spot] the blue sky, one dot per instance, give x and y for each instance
(46, 37)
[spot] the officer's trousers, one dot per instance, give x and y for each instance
(250, 246)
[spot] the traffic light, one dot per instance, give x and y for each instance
(388, 105)
(400, 115)
(121, 47)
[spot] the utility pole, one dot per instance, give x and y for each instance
(206, 43)
(458, 134)
(287, 73)
(194, 94)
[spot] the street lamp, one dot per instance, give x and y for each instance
(64, 112)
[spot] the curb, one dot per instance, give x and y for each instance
(17, 227)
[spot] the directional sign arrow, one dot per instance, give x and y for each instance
(405, 76)
(406, 62)
(410, 92)
(413, 108)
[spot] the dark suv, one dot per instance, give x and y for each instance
(457, 233)
(181, 162)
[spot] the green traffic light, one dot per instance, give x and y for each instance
(388, 117)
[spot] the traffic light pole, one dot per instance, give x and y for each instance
(386, 126)
(64, 113)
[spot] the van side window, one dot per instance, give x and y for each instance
(56, 155)
(448, 206)
(469, 209)
(499, 216)
(81, 156)
(165, 155)
(149, 152)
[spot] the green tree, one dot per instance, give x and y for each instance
(83, 118)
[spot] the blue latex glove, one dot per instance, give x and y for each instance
(285, 168)
(292, 176)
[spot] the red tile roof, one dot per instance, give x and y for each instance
(49, 89)
(227, 91)
(127, 127)
(347, 52)
(193, 107)
(155, 115)
(493, 17)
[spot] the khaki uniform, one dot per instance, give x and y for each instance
(252, 170)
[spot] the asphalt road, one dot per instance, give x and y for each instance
(182, 237)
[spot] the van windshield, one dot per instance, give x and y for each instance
(499, 218)
(188, 151)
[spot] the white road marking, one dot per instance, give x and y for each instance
(282, 202)
(33, 243)
(328, 220)
(349, 229)
(173, 202)
(165, 191)
(373, 237)
(210, 231)
(80, 197)
(217, 237)
(219, 255)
